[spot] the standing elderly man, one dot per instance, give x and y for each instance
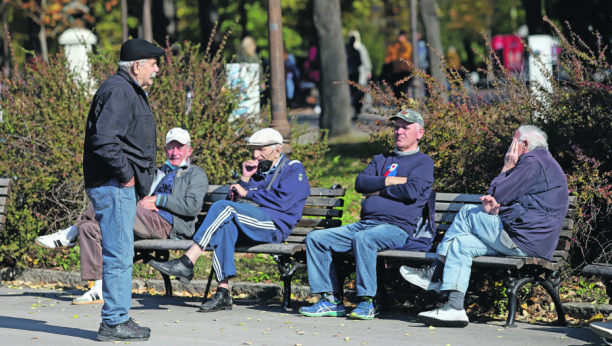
(397, 186)
(118, 166)
(170, 211)
(264, 207)
(522, 215)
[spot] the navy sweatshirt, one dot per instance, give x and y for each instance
(286, 199)
(399, 205)
(534, 202)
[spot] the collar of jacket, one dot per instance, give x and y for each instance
(131, 80)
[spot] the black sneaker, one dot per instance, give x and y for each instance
(217, 302)
(126, 331)
(135, 324)
(174, 268)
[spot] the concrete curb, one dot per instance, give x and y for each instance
(72, 280)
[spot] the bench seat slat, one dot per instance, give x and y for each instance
(3, 201)
(322, 212)
(327, 223)
(5, 191)
(173, 244)
(3, 209)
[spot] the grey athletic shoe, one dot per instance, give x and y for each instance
(126, 331)
(174, 268)
(420, 277)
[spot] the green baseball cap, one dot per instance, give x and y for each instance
(410, 116)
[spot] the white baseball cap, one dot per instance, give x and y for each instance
(264, 137)
(179, 135)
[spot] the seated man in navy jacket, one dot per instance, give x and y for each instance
(522, 215)
(397, 187)
(272, 194)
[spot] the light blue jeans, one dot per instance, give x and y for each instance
(365, 238)
(115, 208)
(473, 233)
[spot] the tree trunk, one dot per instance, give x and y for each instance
(5, 41)
(147, 26)
(208, 17)
(335, 98)
(124, 18)
(42, 35)
(164, 16)
(432, 31)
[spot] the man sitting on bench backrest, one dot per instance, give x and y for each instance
(170, 211)
(267, 204)
(397, 187)
(522, 215)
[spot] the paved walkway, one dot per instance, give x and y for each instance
(45, 317)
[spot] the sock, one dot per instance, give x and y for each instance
(70, 233)
(98, 285)
(437, 270)
(455, 299)
(223, 291)
(333, 297)
(186, 261)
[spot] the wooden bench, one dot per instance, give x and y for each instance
(517, 271)
(322, 211)
(5, 191)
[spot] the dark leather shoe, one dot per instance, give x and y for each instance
(174, 268)
(217, 302)
(135, 324)
(126, 331)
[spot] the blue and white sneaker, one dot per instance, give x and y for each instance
(366, 310)
(324, 308)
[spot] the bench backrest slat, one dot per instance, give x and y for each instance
(5, 182)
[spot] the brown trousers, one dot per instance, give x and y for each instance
(147, 225)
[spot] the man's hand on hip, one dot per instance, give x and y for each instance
(490, 205)
(249, 168)
(130, 183)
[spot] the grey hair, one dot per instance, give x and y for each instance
(536, 137)
(127, 65)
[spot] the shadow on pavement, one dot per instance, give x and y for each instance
(42, 326)
(585, 335)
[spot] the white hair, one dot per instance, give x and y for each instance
(127, 65)
(536, 137)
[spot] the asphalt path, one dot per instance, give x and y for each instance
(46, 317)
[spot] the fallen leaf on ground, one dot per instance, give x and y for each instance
(406, 334)
(337, 334)
(346, 339)
(247, 343)
(432, 327)
(75, 316)
(342, 325)
(35, 337)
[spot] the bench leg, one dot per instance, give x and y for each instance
(164, 256)
(287, 268)
(380, 278)
(551, 285)
(512, 287)
(210, 276)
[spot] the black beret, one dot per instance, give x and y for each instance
(137, 49)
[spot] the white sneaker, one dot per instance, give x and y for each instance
(56, 240)
(93, 296)
(445, 316)
(418, 277)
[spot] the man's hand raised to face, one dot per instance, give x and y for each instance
(511, 156)
(249, 168)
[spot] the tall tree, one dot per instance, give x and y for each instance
(208, 19)
(533, 17)
(431, 21)
(147, 25)
(335, 98)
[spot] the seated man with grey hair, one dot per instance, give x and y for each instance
(169, 211)
(522, 215)
(263, 207)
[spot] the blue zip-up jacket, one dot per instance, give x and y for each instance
(286, 199)
(534, 202)
(399, 205)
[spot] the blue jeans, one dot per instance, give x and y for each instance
(366, 238)
(115, 208)
(473, 233)
(224, 223)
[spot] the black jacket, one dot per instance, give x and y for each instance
(120, 138)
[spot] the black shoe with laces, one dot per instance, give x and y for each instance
(135, 324)
(218, 301)
(174, 268)
(126, 331)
